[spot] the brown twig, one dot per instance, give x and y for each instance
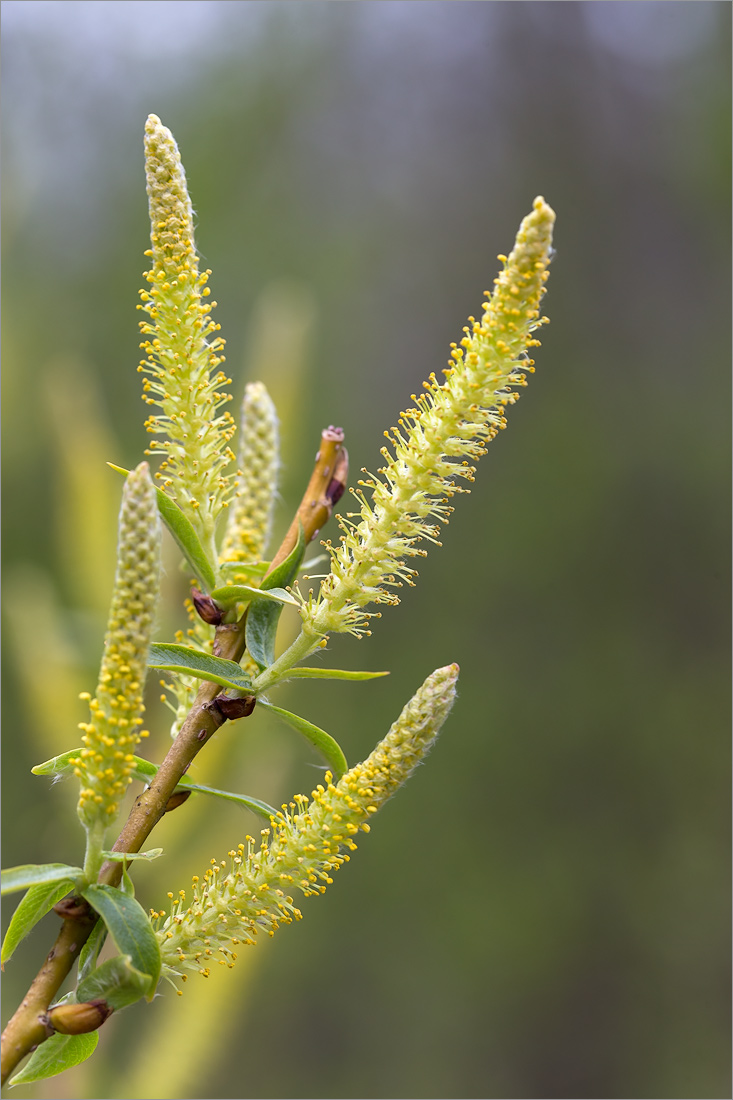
(28, 1027)
(325, 488)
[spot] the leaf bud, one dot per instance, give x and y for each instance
(233, 708)
(176, 799)
(77, 1019)
(206, 608)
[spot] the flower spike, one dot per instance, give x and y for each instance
(105, 763)
(437, 441)
(250, 518)
(304, 846)
(181, 360)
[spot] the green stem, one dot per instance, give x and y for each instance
(93, 855)
(302, 647)
(213, 555)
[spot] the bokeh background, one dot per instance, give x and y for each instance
(544, 910)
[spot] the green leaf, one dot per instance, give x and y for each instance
(285, 573)
(260, 632)
(120, 857)
(191, 662)
(145, 770)
(90, 950)
(329, 749)
(248, 568)
(34, 874)
(116, 981)
(242, 593)
(254, 804)
(57, 765)
(127, 886)
(329, 674)
(58, 1053)
(262, 618)
(130, 928)
(37, 902)
(184, 534)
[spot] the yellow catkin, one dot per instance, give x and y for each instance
(232, 903)
(182, 353)
(437, 441)
(105, 760)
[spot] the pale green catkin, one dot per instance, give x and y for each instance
(250, 518)
(307, 842)
(105, 762)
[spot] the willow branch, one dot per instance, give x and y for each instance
(28, 1028)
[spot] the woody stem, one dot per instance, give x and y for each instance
(26, 1029)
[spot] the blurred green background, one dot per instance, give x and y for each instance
(544, 910)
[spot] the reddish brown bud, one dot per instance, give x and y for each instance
(78, 1019)
(235, 708)
(176, 799)
(335, 491)
(74, 908)
(207, 609)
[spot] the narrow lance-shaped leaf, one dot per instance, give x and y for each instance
(57, 1054)
(35, 874)
(37, 902)
(144, 770)
(90, 950)
(329, 674)
(184, 535)
(127, 886)
(116, 981)
(262, 618)
(191, 662)
(129, 927)
(147, 770)
(246, 568)
(124, 857)
(63, 764)
(188, 541)
(329, 748)
(259, 568)
(243, 593)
